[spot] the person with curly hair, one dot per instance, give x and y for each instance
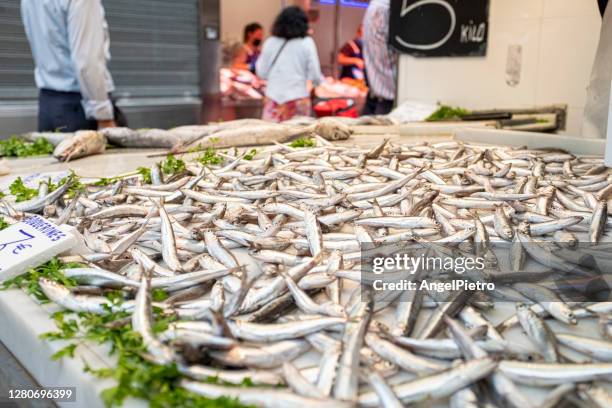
(288, 61)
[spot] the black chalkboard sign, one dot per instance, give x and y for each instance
(439, 28)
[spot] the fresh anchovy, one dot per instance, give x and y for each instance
(327, 371)
(598, 349)
(142, 322)
(437, 385)
(448, 348)
(281, 331)
(197, 339)
(147, 263)
(267, 356)
(216, 249)
(472, 203)
(465, 398)
(599, 221)
(543, 374)
(99, 277)
(548, 300)
(398, 222)
(401, 357)
(272, 398)
(385, 393)
(313, 232)
(62, 296)
(544, 228)
(502, 224)
(168, 241)
(346, 385)
(543, 255)
(407, 311)
(238, 377)
(538, 332)
(37, 204)
(448, 308)
(307, 305)
(186, 280)
(298, 383)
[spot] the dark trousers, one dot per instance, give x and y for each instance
(377, 106)
(63, 112)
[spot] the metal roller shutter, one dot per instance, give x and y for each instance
(154, 48)
(16, 65)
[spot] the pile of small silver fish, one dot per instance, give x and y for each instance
(262, 260)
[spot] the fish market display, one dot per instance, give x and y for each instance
(240, 84)
(334, 88)
(266, 259)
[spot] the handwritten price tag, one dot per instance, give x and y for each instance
(30, 243)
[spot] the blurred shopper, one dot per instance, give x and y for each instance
(70, 45)
(380, 60)
(596, 110)
(288, 61)
(350, 58)
(602, 6)
(247, 55)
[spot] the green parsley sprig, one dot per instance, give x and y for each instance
(21, 191)
(250, 155)
(172, 165)
(51, 270)
(135, 376)
(145, 172)
(447, 113)
(16, 147)
(303, 142)
(209, 156)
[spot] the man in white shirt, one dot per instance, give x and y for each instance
(70, 44)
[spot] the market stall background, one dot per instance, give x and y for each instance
(155, 64)
(540, 53)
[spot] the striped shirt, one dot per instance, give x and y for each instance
(380, 60)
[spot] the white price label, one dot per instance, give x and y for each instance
(30, 243)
